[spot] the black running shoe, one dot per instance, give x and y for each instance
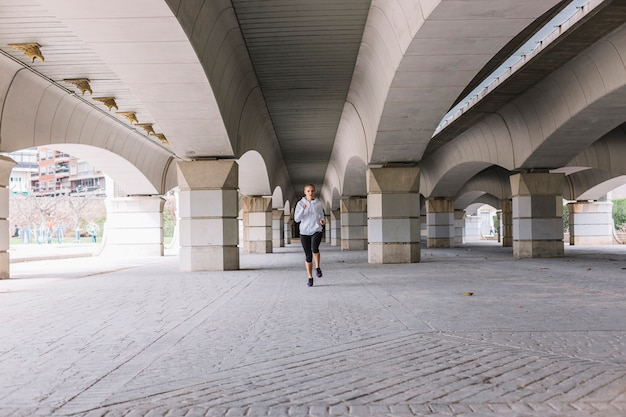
(310, 283)
(318, 272)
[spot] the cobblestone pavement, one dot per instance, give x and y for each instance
(102, 337)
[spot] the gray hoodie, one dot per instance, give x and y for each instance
(309, 217)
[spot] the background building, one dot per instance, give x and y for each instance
(43, 171)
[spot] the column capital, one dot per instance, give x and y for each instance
(208, 175)
(393, 180)
(537, 183)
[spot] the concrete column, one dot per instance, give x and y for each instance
(506, 230)
(257, 224)
(537, 215)
(335, 228)
(393, 208)
(327, 230)
(440, 218)
(498, 225)
(459, 226)
(278, 228)
(208, 215)
(134, 226)
(287, 228)
(6, 165)
(591, 223)
(354, 223)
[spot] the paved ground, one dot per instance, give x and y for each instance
(103, 337)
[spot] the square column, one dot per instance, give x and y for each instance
(6, 165)
(327, 230)
(591, 223)
(393, 208)
(354, 223)
(208, 215)
(459, 226)
(335, 228)
(440, 219)
(257, 224)
(278, 228)
(506, 230)
(134, 226)
(537, 215)
(287, 228)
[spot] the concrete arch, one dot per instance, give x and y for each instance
(277, 198)
(408, 75)
(38, 113)
(336, 199)
(599, 168)
(481, 201)
(473, 151)
(214, 32)
(354, 182)
(493, 181)
(253, 175)
(445, 53)
(464, 200)
(607, 153)
(595, 183)
(560, 117)
(550, 125)
(352, 144)
(450, 183)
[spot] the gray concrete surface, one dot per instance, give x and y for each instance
(135, 337)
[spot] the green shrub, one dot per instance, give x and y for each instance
(619, 212)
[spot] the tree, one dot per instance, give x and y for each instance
(619, 213)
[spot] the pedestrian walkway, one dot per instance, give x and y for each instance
(45, 251)
(135, 337)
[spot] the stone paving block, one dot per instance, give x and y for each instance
(371, 340)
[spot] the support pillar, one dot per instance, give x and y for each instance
(506, 230)
(287, 228)
(537, 215)
(327, 231)
(278, 228)
(134, 226)
(354, 223)
(393, 205)
(257, 224)
(591, 223)
(459, 226)
(335, 228)
(440, 218)
(208, 215)
(6, 165)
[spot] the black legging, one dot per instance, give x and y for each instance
(311, 245)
